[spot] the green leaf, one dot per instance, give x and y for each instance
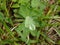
(23, 32)
(3, 5)
(23, 1)
(15, 6)
(38, 34)
(8, 29)
(1, 31)
(9, 20)
(32, 41)
(1, 16)
(19, 29)
(24, 11)
(6, 41)
(35, 3)
(33, 33)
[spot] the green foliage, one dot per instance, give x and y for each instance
(1, 16)
(35, 3)
(25, 21)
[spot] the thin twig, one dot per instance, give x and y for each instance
(13, 28)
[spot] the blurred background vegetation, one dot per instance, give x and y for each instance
(29, 22)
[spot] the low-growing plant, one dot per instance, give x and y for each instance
(31, 22)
